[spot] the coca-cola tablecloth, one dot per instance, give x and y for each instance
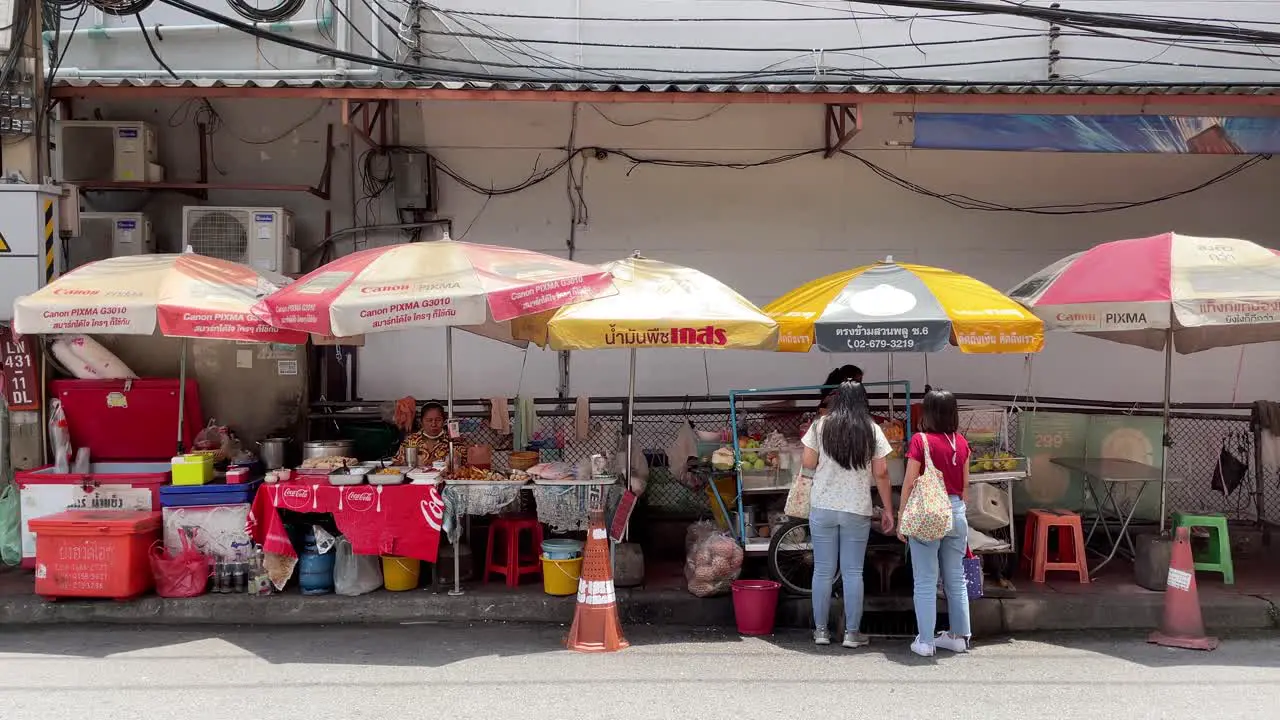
(402, 520)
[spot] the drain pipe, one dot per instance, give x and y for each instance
(128, 31)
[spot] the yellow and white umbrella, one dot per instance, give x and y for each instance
(658, 305)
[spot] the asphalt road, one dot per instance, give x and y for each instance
(503, 671)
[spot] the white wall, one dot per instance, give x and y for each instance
(762, 230)
(818, 42)
(766, 230)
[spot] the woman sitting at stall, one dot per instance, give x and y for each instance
(430, 441)
(843, 451)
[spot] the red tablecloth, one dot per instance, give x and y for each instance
(400, 520)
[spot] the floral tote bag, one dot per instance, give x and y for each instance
(927, 515)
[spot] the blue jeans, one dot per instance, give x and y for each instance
(946, 554)
(838, 537)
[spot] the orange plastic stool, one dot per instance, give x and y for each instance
(512, 565)
(1071, 555)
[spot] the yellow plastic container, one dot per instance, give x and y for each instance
(193, 469)
(727, 486)
(560, 577)
(400, 573)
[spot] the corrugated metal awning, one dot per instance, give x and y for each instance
(530, 90)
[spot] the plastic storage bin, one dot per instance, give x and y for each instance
(192, 469)
(99, 554)
(216, 494)
(987, 507)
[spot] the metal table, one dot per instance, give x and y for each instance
(1111, 473)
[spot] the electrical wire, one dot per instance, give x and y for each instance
(279, 12)
(152, 48)
(436, 74)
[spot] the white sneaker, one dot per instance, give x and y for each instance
(954, 643)
(821, 637)
(921, 648)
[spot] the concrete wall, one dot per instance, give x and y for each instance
(762, 230)
(765, 230)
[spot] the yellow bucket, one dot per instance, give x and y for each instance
(560, 577)
(400, 573)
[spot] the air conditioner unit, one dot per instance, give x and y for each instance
(261, 238)
(106, 151)
(105, 235)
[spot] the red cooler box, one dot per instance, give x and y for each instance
(130, 428)
(107, 486)
(95, 554)
(128, 420)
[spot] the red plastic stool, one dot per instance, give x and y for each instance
(1071, 554)
(513, 566)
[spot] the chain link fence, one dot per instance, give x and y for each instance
(1198, 438)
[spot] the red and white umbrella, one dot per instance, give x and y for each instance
(184, 296)
(1166, 292)
(1204, 292)
(431, 284)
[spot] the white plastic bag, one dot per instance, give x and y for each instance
(355, 574)
(59, 437)
(324, 541)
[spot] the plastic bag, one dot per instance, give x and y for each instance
(713, 560)
(217, 439)
(10, 525)
(355, 574)
(59, 437)
(182, 575)
(324, 540)
(684, 449)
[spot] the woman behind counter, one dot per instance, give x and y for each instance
(430, 441)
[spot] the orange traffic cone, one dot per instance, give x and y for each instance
(1182, 627)
(596, 627)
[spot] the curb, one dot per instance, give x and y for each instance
(989, 616)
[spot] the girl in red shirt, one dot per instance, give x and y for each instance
(950, 454)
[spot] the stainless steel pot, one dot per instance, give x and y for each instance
(326, 448)
(272, 452)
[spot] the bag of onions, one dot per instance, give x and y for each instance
(713, 560)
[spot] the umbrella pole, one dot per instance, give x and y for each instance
(1165, 441)
(448, 372)
(182, 392)
(630, 428)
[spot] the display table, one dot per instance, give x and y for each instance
(403, 520)
(1113, 473)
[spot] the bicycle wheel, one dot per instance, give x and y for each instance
(790, 558)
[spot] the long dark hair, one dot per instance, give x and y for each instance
(848, 433)
(941, 413)
(842, 374)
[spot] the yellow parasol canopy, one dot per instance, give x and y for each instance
(658, 305)
(898, 307)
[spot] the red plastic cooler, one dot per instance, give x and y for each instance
(128, 420)
(130, 428)
(95, 554)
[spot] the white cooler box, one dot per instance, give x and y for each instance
(218, 530)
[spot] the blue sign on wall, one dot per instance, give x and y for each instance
(1176, 134)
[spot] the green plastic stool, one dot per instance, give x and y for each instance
(1216, 557)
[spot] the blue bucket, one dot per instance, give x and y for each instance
(562, 548)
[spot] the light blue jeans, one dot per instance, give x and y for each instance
(946, 554)
(838, 537)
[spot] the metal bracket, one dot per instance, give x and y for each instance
(368, 122)
(842, 123)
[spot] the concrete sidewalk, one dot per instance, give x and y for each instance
(1104, 605)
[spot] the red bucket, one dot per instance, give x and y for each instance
(755, 606)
